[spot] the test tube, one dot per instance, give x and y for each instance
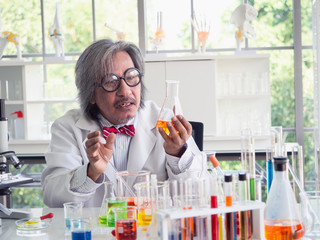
(229, 225)
(201, 222)
(269, 156)
(214, 204)
(245, 230)
(248, 160)
(175, 224)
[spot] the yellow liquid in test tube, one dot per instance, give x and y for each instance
(144, 217)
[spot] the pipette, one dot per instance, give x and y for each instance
(216, 165)
(121, 178)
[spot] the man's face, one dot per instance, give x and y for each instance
(120, 106)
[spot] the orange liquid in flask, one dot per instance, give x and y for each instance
(283, 230)
(163, 124)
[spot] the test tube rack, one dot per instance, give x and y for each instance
(257, 208)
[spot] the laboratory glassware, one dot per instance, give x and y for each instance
(80, 229)
(245, 230)
(126, 222)
(229, 224)
(248, 160)
(171, 106)
(282, 218)
(144, 205)
(72, 210)
(108, 195)
(127, 179)
(214, 204)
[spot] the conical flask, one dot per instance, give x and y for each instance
(108, 194)
(282, 218)
(171, 106)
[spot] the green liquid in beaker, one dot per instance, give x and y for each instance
(110, 214)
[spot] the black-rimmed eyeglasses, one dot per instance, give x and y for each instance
(111, 82)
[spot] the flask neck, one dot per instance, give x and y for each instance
(109, 190)
(281, 175)
(172, 88)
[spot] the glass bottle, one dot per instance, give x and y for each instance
(171, 106)
(108, 194)
(282, 218)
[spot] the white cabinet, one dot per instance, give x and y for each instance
(226, 93)
(43, 91)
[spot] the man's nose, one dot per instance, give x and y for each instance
(124, 89)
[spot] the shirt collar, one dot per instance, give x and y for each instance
(104, 122)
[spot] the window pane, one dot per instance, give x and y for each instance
(176, 24)
(308, 90)
(76, 24)
(218, 17)
(60, 82)
(121, 15)
(16, 17)
(306, 22)
(274, 24)
(309, 160)
(282, 88)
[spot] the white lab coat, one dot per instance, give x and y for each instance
(67, 153)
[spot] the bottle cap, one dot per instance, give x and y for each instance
(214, 161)
(228, 178)
(280, 163)
(242, 176)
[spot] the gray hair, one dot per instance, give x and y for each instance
(94, 63)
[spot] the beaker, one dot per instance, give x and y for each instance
(282, 218)
(171, 106)
(127, 179)
(144, 205)
(126, 222)
(108, 194)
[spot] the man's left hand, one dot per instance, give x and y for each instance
(180, 131)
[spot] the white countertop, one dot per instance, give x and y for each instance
(56, 230)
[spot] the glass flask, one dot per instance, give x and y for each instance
(282, 218)
(108, 194)
(171, 106)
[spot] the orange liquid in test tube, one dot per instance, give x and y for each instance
(228, 201)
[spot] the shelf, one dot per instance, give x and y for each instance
(255, 96)
(52, 101)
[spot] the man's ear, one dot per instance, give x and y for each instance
(93, 101)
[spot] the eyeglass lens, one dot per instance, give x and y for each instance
(111, 81)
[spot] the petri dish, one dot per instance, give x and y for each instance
(30, 227)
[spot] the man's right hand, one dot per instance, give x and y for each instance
(98, 153)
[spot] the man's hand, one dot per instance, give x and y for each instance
(97, 154)
(174, 142)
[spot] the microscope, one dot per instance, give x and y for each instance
(7, 180)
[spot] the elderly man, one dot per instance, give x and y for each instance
(114, 126)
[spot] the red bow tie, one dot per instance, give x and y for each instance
(126, 129)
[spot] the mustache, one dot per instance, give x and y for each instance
(123, 100)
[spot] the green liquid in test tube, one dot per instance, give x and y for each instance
(252, 189)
